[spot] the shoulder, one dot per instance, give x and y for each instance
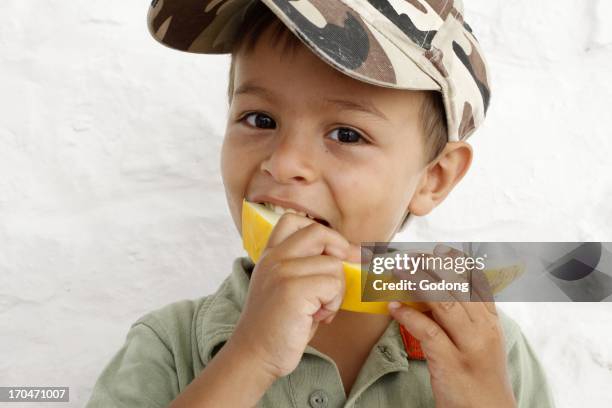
(154, 363)
(164, 347)
(192, 323)
(173, 323)
(177, 314)
(186, 315)
(527, 375)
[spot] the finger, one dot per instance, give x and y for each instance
(434, 341)
(470, 300)
(457, 315)
(423, 275)
(491, 308)
(309, 265)
(324, 294)
(367, 255)
(446, 307)
(482, 295)
(329, 319)
(287, 225)
(311, 239)
(482, 291)
(442, 250)
(453, 317)
(319, 280)
(459, 275)
(356, 253)
(417, 294)
(460, 291)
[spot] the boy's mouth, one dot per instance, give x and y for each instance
(281, 210)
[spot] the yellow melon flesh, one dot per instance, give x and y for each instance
(257, 224)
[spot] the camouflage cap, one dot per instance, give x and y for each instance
(403, 44)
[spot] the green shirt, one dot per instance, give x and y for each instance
(167, 348)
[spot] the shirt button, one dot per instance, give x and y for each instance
(318, 399)
(384, 350)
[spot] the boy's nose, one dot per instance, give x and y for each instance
(291, 160)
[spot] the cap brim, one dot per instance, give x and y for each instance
(331, 29)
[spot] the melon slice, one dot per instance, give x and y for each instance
(257, 224)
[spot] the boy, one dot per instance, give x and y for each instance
(359, 123)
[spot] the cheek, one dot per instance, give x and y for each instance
(236, 161)
(372, 199)
(360, 194)
(237, 167)
(227, 154)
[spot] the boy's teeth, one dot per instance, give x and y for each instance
(280, 210)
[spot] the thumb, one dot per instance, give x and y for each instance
(313, 329)
(417, 323)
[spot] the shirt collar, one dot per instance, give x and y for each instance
(219, 314)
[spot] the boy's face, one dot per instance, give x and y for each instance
(301, 132)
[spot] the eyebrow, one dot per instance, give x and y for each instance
(248, 88)
(358, 106)
(342, 104)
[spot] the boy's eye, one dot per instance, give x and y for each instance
(260, 120)
(346, 135)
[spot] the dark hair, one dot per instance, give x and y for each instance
(259, 17)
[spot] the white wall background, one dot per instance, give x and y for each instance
(111, 202)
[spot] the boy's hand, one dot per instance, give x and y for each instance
(464, 348)
(297, 283)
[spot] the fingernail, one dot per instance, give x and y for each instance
(394, 305)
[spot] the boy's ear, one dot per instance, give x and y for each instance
(440, 177)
